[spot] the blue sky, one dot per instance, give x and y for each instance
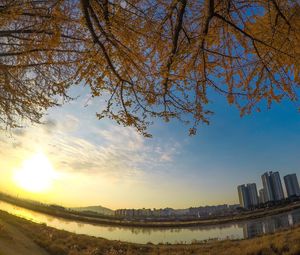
(103, 163)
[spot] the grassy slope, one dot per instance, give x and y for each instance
(58, 242)
(97, 209)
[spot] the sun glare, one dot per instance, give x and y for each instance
(36, 174)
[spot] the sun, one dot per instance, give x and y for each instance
(36, 174)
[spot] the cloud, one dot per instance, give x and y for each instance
(49, 125)
(19, 132)
(70, 123)
(114, 152)
(16, 145)
(166, 157)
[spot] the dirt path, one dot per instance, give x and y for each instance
(14, 242)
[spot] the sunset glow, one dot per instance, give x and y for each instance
(36, 174)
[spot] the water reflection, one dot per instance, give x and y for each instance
(247, 229)
(252, 229)
(271, 224)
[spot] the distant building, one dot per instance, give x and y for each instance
(248, 195)
(252, 190)
(292, 185)
(262, 196)
(272, 186)
(243, 196)
(278, 190)
(214, 210)
(233, 207)
(268, 191)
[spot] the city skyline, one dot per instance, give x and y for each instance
(272, 190)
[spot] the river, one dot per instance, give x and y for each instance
(244, 229)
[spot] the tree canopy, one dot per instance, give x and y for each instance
(147, 58)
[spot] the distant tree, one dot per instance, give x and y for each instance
(147, 59)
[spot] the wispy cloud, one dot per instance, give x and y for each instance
(115, 152)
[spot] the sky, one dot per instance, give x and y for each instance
(101, 163)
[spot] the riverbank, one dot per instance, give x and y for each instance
(174, 223)
(13, 241)
(58, 242)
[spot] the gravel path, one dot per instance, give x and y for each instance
(14, 242)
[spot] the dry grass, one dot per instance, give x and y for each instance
(3, 233)
(58, 242)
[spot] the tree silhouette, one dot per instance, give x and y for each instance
(148, 59)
